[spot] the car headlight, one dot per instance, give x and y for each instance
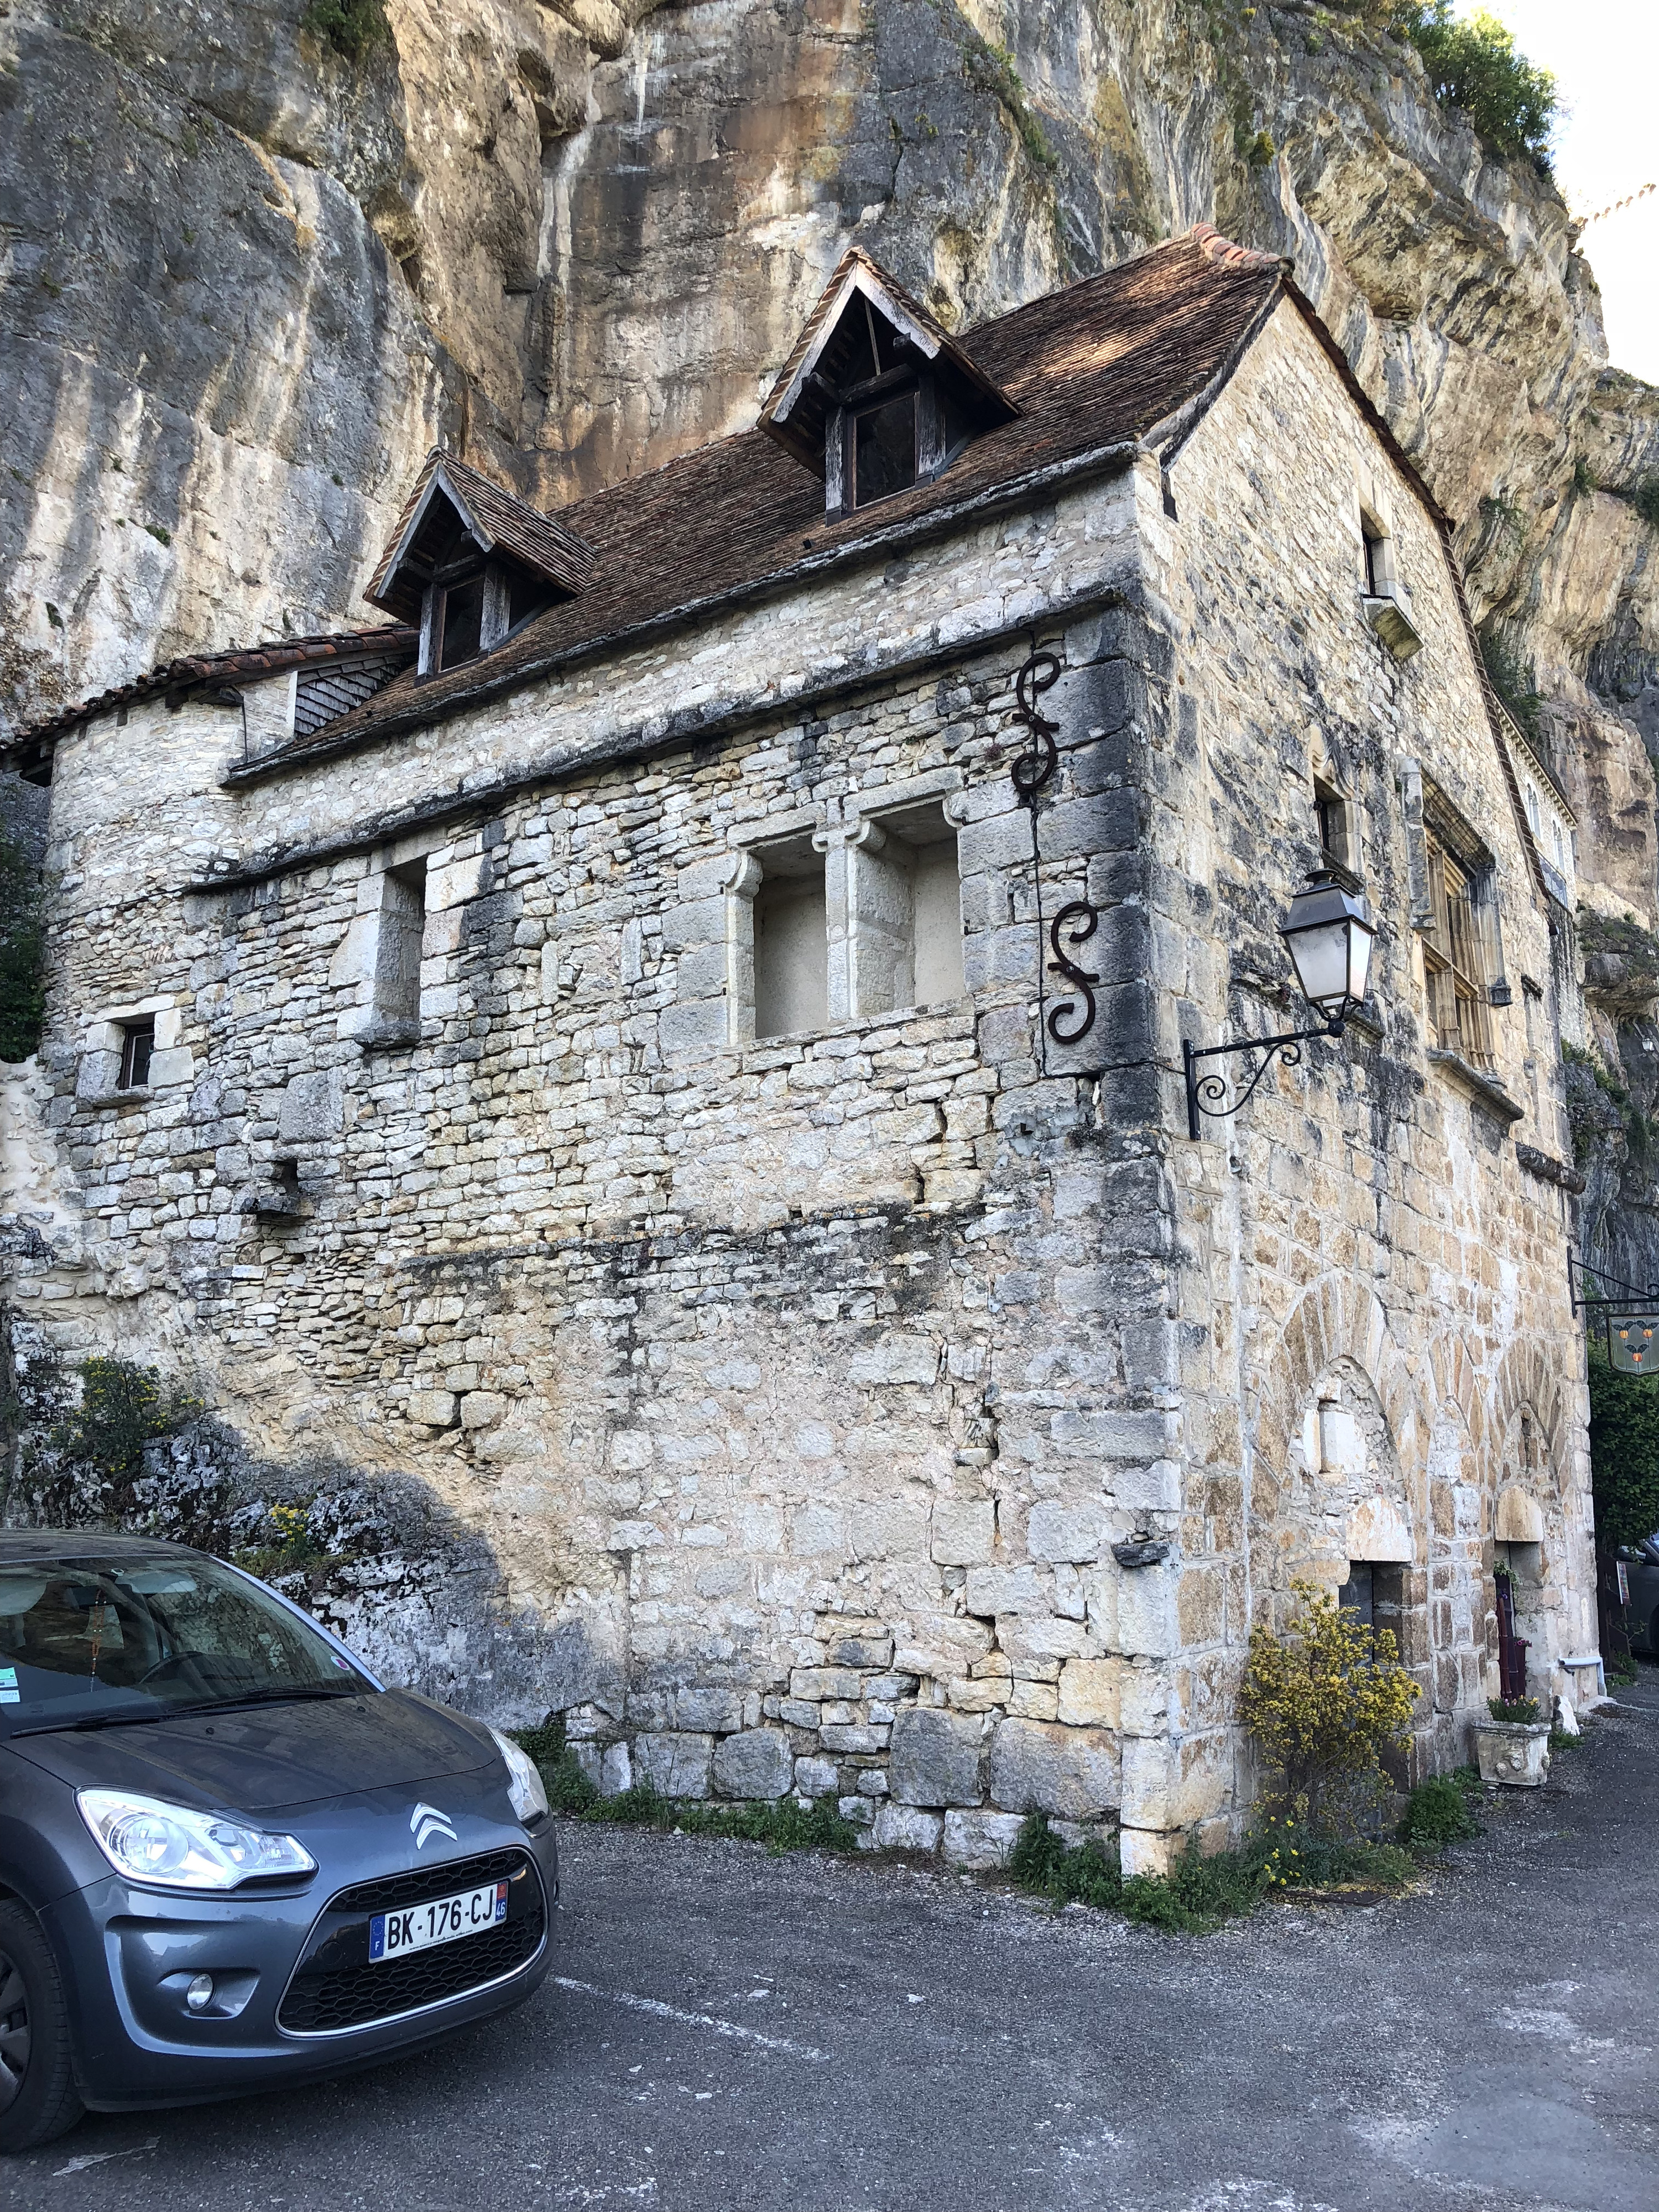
(524, 1785)
(173, 1848)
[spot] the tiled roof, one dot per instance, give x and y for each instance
(500, 521)
(192, 670)
(1100, 364)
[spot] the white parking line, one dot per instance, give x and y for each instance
(102, 2158)
(662, 2011)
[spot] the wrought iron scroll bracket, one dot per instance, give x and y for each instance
(1031, 770)
(1208, 1094)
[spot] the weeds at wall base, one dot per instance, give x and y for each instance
(786, 1826)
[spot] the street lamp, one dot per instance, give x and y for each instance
(1329, 933)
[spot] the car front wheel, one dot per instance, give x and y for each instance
(37, 2098)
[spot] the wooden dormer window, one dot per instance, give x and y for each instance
(876, 395)
(472, 564)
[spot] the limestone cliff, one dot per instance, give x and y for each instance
(250, 277)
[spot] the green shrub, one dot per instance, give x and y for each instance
(22, 953)
(1199, 1892)
(1438, 1814)
(353, 28)
(1512, 678)
(991, 68)
(1196, 1895)
(1624, 1440)
(1645, 500)
(1042, 1864)
(1471, 63)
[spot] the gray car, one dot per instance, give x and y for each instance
(229, 1858)
(1641, 1565)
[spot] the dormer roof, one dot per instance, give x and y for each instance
(447, 492)
(796, 406)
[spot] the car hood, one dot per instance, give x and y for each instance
(270, 1756)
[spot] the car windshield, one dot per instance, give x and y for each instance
(87, 1638)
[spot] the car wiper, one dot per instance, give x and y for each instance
(127, 1717)
(268, 1697)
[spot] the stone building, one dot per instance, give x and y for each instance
(674, 1044)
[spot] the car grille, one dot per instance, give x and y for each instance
(335, 1987)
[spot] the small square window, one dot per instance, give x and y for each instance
(138, 1044)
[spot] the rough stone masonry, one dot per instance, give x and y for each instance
(801, 1385)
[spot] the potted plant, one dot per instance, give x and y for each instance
(1513, 1747)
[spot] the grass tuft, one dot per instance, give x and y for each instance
(1438, 1814)
(1199, 1893)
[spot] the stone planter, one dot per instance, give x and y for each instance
(1514, 1752)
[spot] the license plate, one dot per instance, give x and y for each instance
(444, 1920)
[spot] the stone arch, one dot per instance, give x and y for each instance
(1528, 1387)
(1336, 1356)
(1335, 1319)
(1535, 1527)
(1457, 1388)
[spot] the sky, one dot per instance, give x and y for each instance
(1605, 54)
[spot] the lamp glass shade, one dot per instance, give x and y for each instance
(1329, 934)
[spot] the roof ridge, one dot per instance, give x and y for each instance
(232, 660)
(1227, 252)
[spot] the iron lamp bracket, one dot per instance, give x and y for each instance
(1208, 1094)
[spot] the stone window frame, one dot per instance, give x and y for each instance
(1456, 916)
(138, 1050)
(448, 882)
(1384, 599)
(106, 1051)
(842, 830)
(1337, 817)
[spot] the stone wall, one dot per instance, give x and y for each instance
(1364, 1237)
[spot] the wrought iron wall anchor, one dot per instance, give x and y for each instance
(1071, 1021)
(1286, 1049)
(1141, 1552)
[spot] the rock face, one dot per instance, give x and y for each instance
(251, 278)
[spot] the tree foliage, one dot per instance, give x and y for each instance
(1472, 65)
(22, 953)
(1326, 1701)
(1624, 1439)
(353, 28)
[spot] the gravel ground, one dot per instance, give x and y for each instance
(728, 2030)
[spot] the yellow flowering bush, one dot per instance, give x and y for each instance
(290, 1522)
(1325, 1701)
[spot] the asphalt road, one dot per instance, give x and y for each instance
(729, 2030)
